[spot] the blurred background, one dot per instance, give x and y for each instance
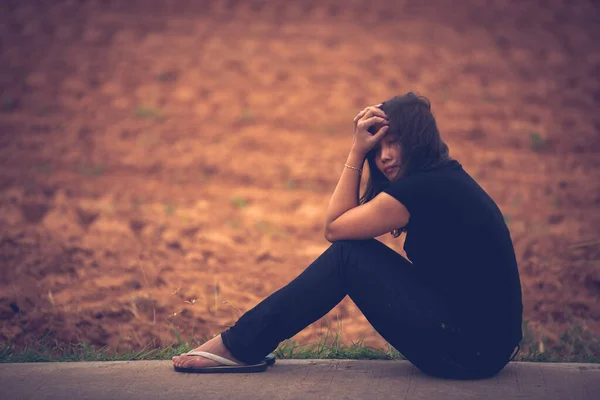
(165, 165)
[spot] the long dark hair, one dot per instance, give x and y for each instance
(422, 147)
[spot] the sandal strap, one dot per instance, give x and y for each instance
(211, 356)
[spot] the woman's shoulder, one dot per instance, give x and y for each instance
(450, 167)
(448, 181)
(449, 164)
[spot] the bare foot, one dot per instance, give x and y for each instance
(214, 346)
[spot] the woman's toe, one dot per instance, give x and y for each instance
(191, 362)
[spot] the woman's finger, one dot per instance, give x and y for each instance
(366, 123)
(364, 111)
(380, 133)
(373, 111)
(360, 114)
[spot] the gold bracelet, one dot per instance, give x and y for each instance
(351, 167)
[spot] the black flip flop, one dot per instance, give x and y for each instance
(228, 365)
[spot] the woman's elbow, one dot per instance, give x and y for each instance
(329, 234)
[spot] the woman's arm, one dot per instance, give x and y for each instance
(381, 215)
(345, 219)
(345, 195)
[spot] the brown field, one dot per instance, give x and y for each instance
(167, 164)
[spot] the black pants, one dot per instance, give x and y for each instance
(390, 292)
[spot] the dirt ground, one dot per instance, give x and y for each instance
(165, 165)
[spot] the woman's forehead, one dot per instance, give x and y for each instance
(391, 135)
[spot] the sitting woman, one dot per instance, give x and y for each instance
(454, 310)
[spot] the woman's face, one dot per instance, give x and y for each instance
(388, 157)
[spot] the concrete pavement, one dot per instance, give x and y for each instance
(292, 379)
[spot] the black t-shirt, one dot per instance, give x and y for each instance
(458, 238)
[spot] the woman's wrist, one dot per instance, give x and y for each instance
(356, 158)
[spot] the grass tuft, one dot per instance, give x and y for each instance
(167, 76)
(85, 352)
(247, 115)
(90, 169)
(8, 104)
(147, 113)
(43, 110)
(329, 130)
(537, 142)
(239, 202)
(327, 348)
(488, 98)
(169, 209)
(45, 168)
(291, 184)
(575, 345)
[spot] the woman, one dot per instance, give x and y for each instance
(454, 310)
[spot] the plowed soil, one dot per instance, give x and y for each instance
(165, 165)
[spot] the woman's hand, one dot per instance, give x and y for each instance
(363, 141)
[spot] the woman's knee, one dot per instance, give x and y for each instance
(350, 244)
(351, 254)
(356, 249)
